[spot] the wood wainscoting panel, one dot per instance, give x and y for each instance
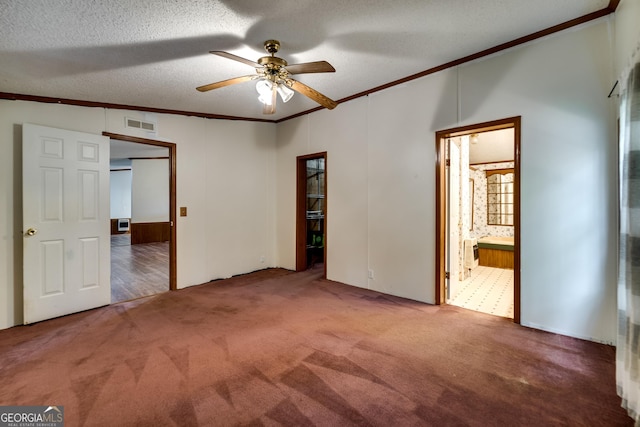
(114, 227)
(496, 258)
(149, 232)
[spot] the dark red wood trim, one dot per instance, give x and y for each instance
(440, 295)
(480, 127)
(516, 221)
(173, 242)
(301, 239)
(148, 158)
(326, 212)
(81, 103)
(512, 122)
(303, 113)
(301, 210)
(490, 163)
(173, 203)
(486, 52)
(613, 4)
(138, 140)
(521, 40)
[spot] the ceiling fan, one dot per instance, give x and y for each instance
(274, 77)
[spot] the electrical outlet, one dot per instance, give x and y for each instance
(262, 259)
(371, 274)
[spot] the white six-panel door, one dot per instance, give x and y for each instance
(66, 222)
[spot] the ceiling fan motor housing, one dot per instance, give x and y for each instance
(272, 46)
(277, 62)
(274, 68)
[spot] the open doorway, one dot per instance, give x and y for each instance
(311, 212)
(142, 217)
(478, 217)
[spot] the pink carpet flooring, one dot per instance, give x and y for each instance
(280, 348)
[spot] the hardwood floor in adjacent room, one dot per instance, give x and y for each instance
(138, 270)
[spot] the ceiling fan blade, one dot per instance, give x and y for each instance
(236, 58)
(313, 94)
(228, 82)
(310, 67)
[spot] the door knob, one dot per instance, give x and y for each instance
(31, 232)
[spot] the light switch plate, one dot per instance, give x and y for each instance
(183, 211)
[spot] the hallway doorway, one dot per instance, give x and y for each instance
(143, 245)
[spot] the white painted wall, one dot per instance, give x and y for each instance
(226, 180)
(120, 190)
(346, 166)
(559, 86)
(381, 184)
(226, 173)
(381, 179)
(627, 33)
(149, 190)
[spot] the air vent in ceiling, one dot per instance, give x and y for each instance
(139, 124)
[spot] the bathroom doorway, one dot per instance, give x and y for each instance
(478, 217)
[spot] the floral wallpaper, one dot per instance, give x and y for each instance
(480, 227)
(479, 209)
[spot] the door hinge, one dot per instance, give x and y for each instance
(447, 162)
(446, 275)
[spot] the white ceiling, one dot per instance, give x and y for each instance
(492, 146)
(154, 53)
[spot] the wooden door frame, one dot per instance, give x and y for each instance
(173, 276)
(511, 122)
(301, 210)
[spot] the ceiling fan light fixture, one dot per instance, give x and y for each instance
(285, 93)
(264, 88)
(273, 76)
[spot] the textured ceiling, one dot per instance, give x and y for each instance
(154, 53)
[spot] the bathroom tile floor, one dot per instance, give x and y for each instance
(488, 290)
